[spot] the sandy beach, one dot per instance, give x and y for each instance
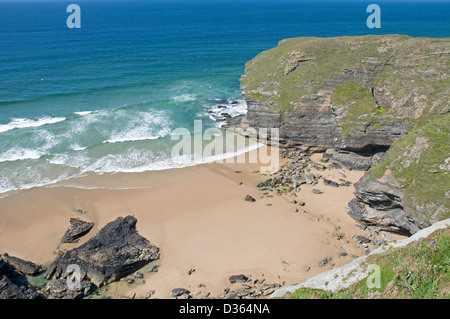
(199, 219)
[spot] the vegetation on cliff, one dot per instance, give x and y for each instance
(409, 68)
(362, 107)
(420, 163)
(366, 94)
(420, 270)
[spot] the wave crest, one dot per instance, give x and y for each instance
(27, 123)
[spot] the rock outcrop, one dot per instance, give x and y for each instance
(410, 188)
(59, 289)
(340, 92)
(78, 228)
(23, 266)
(380, 203)
(376, 103)
(13, 283)
(116, 251)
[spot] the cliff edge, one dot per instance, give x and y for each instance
(376, 103)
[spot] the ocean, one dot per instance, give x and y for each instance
(106, 97)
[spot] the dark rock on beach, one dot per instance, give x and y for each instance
(14, 285)
(238, 278)
(362, 239)
(249, 198)
(153, 268)
(77, 229)
(349, 159)
(60, 289)
(22, 266)
(116, 251)
(180, 292)
(325, 261)
(330, 183)
(17, 288)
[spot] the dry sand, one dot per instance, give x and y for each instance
(199, 219)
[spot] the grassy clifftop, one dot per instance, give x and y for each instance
(409, 68)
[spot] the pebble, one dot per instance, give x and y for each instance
(179, 292)
(362, 239)
(249, 198)
(148, 294)
(325, 261)
(190, 271)
(153, 268)
(204, 294)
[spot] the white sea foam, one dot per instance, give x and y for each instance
(233, 110)
(83, 113)
(135, 126)
(6, 186)
(43, 141)
(145, 126)
(131, 139)
(19, 154)
(26, 123)
(136, 161)
(77, 147)
(185, 98)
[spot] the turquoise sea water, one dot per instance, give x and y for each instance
(106, 97)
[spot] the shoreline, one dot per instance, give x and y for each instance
(199, 219)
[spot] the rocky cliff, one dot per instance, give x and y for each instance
(356, 98)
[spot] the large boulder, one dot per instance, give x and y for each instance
(349, 159)
(59, 289)
(379, 202)
(78, 228)
(14, 285)
(23, 266)
(116, 251)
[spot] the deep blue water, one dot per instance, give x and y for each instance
(105, 98)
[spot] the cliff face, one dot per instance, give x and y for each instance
(354, 97)
(410, 188)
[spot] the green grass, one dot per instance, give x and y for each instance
(407, 67)
(417, 271)
(425, 183)
(327, 57)
(360, 105)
